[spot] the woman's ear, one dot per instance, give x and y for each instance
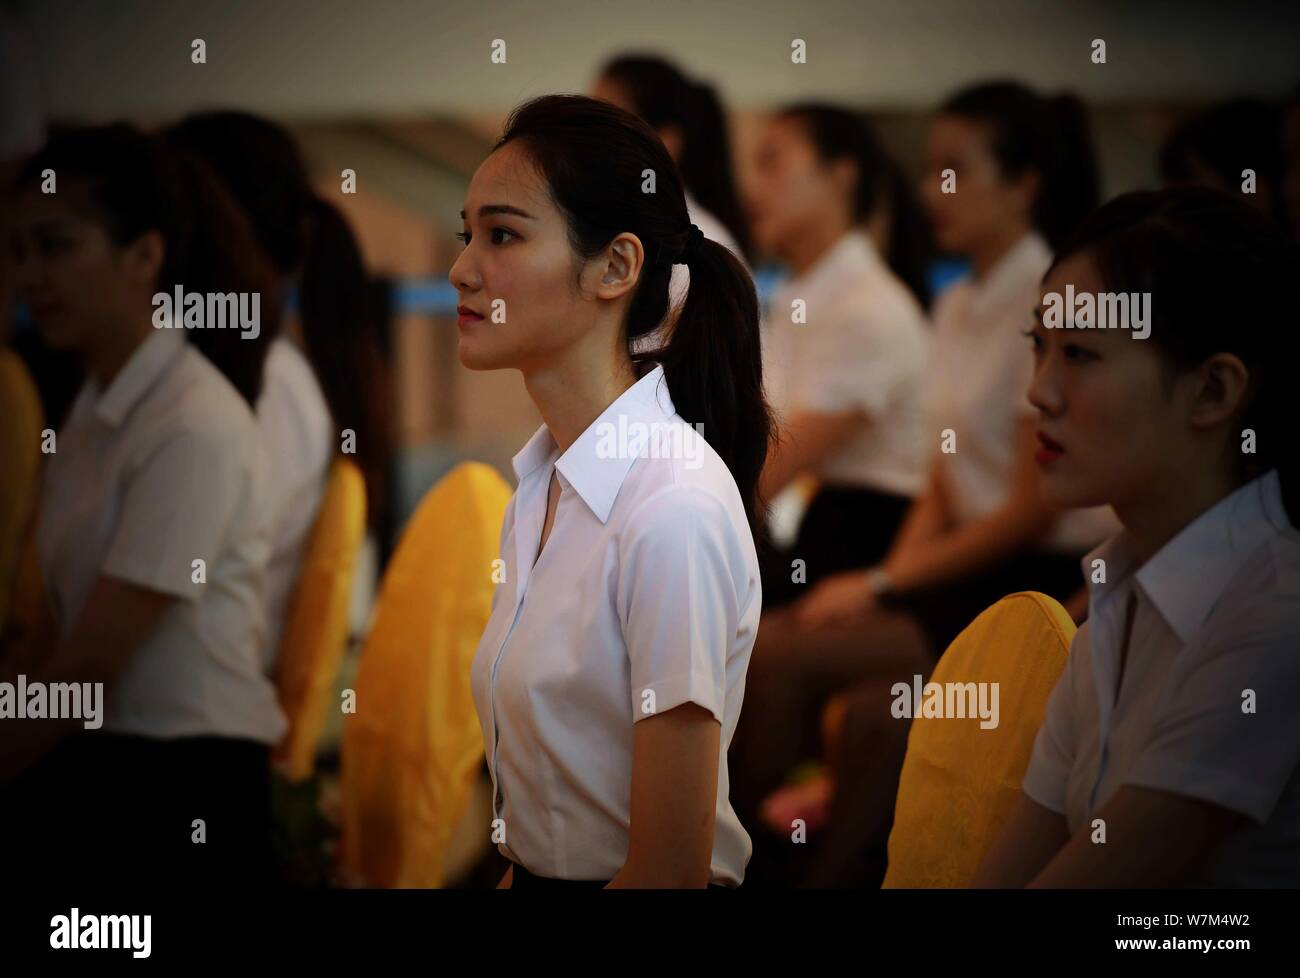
(1222, 385)
(144, 257)
(620, 266)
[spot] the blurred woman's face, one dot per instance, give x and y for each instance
(523, 292)
(983, 204)
(792, 191)
(77, 282)
(1111, 421)
(609, 89)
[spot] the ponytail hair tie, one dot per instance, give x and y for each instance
(694, 239)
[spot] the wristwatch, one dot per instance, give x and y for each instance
(879, 581)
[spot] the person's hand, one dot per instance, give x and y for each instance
(838, 600)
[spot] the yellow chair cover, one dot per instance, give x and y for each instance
(412, 749)
(959, 780)
(315, 632)
(21, 421)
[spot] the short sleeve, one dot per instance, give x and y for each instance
(1230, 730)
(177, 507)
(1047, 778)
(678, 601)
(859, 362)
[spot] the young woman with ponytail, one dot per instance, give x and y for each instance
(325, 373)
(152, 536)
(609, 678)
(1174, 722)
(847, 339)
(1007, 174)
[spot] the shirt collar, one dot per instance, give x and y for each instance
(137, 376)
(845, 259)
(1027, 260)
(597, 474)
(1187, 576)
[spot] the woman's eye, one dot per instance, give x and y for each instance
(463, 236)
(1035, 340)
(500, 231)
(1073, 352)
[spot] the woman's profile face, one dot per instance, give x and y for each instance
(75, 280)
(791, 190)
(1108, 402)
(518, 277)
(966, 195)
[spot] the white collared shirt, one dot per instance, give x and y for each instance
(1207, 705)
(298, 437)
(645, 597)
(864, 344)
(161, 469)
(978, 389)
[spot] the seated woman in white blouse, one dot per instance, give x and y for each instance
(609, 678)
(846, 337)
(1172, 734)
(152, 534)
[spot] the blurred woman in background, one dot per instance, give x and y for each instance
(325, 373)
(1008, 173)
(846, 336)
(152, 535)
(688, 117)
(1174, 721)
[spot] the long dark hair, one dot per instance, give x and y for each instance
(1048, 136)
(137, 183)
(592, 156)
(1227, 139)
(664, 96)
(1222, 280)
(837, 133)
(307, 238)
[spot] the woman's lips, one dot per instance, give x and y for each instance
(1049, 450)
(465, 316)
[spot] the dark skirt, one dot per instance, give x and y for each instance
(113, 809)
(522, 879)
(944, 612)
(844, 528)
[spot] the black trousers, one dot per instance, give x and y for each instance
(117, 810)
(844, 528)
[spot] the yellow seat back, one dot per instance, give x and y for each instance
(21, 421)
(959, 780)
(412, 749)
(315, 632)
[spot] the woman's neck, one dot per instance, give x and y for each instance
(571, 393)
(804, 252)
(993, 249)
(1168, 506)
(118, 345)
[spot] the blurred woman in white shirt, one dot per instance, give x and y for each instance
(1021, 172)
(846, 336)
(152, 533)
(324, 372)
(686, 114)
(610, 675)
(1174, 722)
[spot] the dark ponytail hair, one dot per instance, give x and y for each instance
(592, 155)
(307, 238)
(1222, 279)
(836, 133)
(137, 183)
(1048, 136)
(663, 96)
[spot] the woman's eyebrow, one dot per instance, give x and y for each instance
(487, 209)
